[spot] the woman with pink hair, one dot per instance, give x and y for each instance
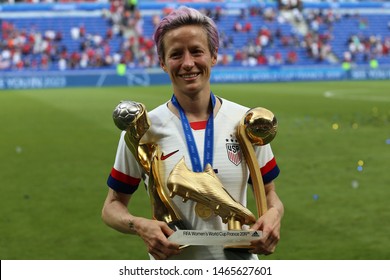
(192, 124)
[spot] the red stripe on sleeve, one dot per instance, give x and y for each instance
(124, 178)
(268, 167)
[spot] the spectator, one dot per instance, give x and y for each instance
(247, 27)
(292, 57)
(62, 64)
(261, 59)
(75, 33)
(155, 20)
(237, 26)
(278, 58)
(218, 14)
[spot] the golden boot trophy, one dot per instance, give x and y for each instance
(196, 186)
(132, 117)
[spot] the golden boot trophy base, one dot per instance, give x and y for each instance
(237, 240)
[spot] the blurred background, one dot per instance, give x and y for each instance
(323, 68)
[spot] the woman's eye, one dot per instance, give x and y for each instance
(198, 52)
(175, 56)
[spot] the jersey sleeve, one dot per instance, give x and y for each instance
(268, 167)
(125, 175)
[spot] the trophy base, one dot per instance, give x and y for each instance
(226, 238)
(238, 248)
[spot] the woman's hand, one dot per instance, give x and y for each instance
(154, 234)
(269, 224)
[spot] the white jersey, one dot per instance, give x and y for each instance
(228, 163)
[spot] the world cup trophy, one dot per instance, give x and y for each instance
(132, 117)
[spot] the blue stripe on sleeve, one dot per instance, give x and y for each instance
(271, 175)
(121, 187)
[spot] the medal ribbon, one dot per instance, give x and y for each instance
(191, 144)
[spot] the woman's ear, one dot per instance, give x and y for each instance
(214, 57)
(162, 65)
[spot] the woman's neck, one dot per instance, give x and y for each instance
(196, 109)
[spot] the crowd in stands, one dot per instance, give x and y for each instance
(49, 1)
(279, 2)
(126, 21)
(368, 47)
(36, 49)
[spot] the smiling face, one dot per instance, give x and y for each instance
(188, 60)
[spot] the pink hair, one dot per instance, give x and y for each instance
(186, 16)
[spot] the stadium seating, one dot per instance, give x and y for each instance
(340, 31)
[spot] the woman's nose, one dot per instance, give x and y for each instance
(188, 61)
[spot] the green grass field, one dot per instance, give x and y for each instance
(58, 145)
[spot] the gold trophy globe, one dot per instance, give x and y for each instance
(258, 127)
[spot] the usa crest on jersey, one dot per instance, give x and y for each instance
(234, 153)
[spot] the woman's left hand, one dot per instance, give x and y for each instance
(269, 224)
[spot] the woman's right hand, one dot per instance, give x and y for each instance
(155, 235)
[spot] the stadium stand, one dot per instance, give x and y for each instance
(251, 35)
